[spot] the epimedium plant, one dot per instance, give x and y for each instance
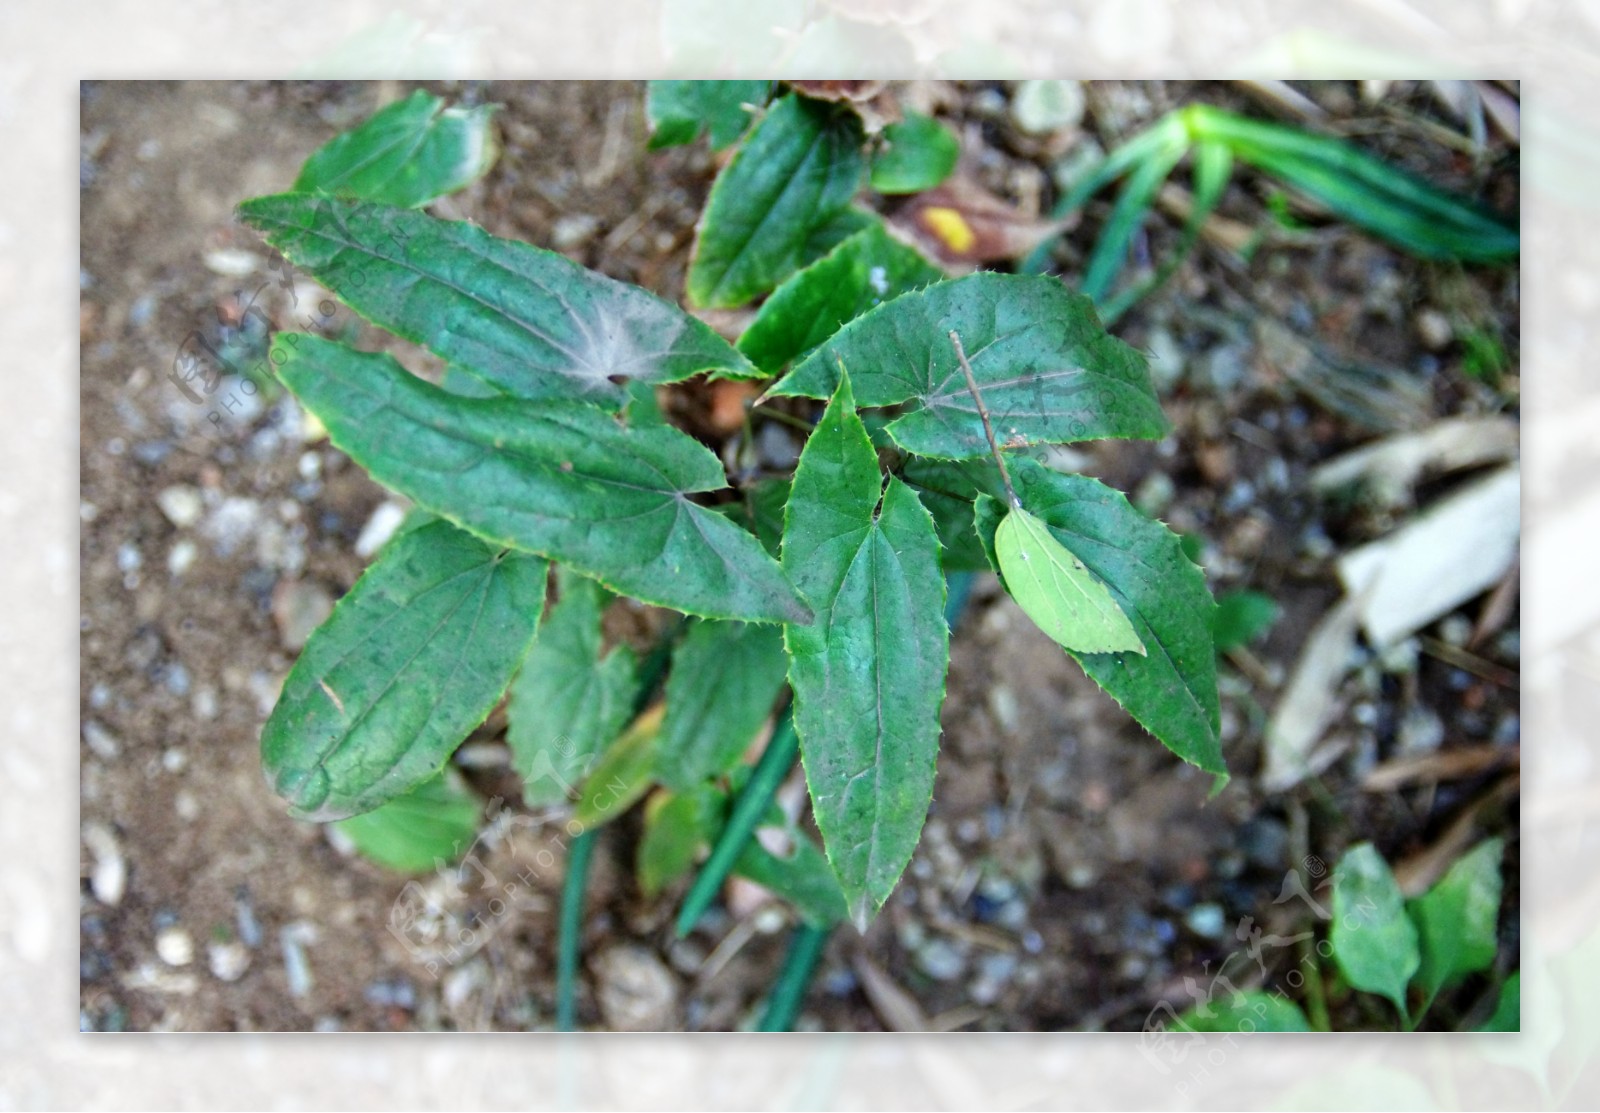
(1410, 953)
(928, 402)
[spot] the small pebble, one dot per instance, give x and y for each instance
(1455, 630)
(232, 262)
(1042, 107)
(181, 557)
(108, 879)
(173, 759)
(379, 528)
(187, 807)
(174, 946)
(232, 523)
(391, 993)
(177, 679)
(940, 960)
(1433, 329)
(573, 230)
(293, 940)
(228, 961)
(1207, 920)
(204, 703)
(244, 918)
(182, 505)
(634, 989)
(102, 743)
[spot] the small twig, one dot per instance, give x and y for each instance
(983, 414)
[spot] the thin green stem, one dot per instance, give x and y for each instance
(571, 931)
(1316, 994)
(806, 944)
(748, 810)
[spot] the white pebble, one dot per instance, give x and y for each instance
(187, 806)
(232, 262)
(175, 947)
(182, 557)
(182, 505)
(228, 961)
(204, 704)
(109, 878)
(379, 528)
(102, 743)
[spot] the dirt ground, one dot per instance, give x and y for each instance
(1071, 875)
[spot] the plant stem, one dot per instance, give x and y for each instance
(748, 810)
(806, 944)
(574, 885)
(571, 930)
(1316, 995)
(983, 414)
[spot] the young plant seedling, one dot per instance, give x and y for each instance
(813, 595)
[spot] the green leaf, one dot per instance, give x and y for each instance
(1367, 191)
(1242, 617)
(415, 656)
(680, 111)
(1458, 919)
(833, 231)
(568, 702)
(868, 676)
(1253, 1010)
(1507, 1015)
(1172, 690)
(558, 478)
(676, 826)
(1053, 588)
(944, 488)
(434, 822)
(761, 510)
(1374, 942)
(1048, 372)
(531, 322)
(916, 154)
(624, 773)
(864, 271)
(800, 876)
(800, 166)
(412, 152)
(725, 676)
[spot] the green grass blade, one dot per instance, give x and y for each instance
(1133, 202)
(1213, 166)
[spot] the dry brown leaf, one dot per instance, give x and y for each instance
(963, 225)
(1390, 468)
(1310, 702)
(1419, 872)
(1458, 549)
(897, 1009)
(1446, 765)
